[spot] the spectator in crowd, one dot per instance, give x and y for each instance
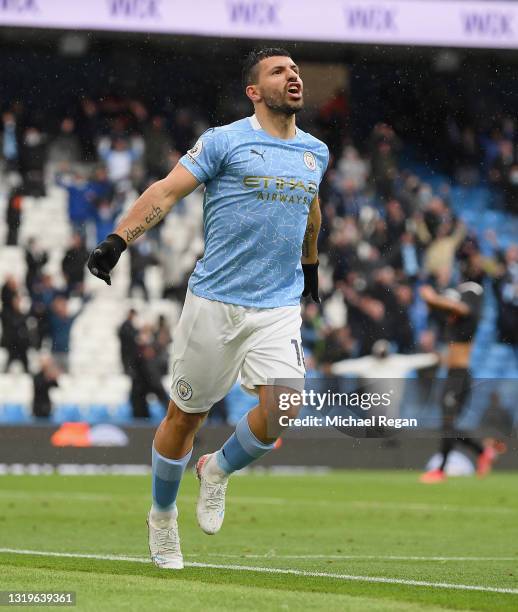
(35, 259)
(43, 381)
(9, 292)
(73, 265)
(128, 333)
(440, 253)
(339, 344)
(141, 257)
(396, 223)
(16, 334)
(333, 118)
(32, 162)
(43, 294)
(158, 146)
(7, 296)
(10, 142)
(161, 341)
(61, 322)
(104, 214)
(403, 331)
(119, 157)
(183, 131)
(504, 174)
(407, 257)
(367, 316)
(13, 215)
(145, 377)
(313, 328)
(80, 198)
(89, 128)
(384, 150)
(352, 168)
(106, 204)
(384, 372)
(66, 146)
(101, 186)
(342, 248)
(506, 291)
(175, 277)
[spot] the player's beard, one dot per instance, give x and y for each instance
(279, 105)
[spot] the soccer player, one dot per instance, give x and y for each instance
(462, 307)
(242, 311)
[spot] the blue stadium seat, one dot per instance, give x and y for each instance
(97, 413)
(13, 413)
(156, 411)
(64, 413)
(122, 413)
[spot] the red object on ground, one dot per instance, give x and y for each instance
(485, 461)
(72, 434)
(433, 477)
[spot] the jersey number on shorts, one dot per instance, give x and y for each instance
(299, 352)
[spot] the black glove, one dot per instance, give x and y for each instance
(104, 257)
(311, 281)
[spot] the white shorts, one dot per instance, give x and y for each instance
(215, 342)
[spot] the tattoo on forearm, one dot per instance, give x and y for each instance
(308, 236)
(155, 214)
(135, 232)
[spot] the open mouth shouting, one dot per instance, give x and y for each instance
(294, 91)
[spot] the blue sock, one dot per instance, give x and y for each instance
(241, 449)
(167, 474)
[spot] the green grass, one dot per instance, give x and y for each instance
(366, 524)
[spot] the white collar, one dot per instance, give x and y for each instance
(254, 122)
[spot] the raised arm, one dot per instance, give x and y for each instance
(437, 301)
(150, 208)
(309, 257)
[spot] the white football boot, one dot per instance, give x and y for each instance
(210, 510)
(164, 542)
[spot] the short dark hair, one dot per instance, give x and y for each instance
(254, 57)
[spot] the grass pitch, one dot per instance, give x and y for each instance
(339, 541)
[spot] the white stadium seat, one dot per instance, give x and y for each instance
(95, 369)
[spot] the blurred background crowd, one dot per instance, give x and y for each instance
(410, 197)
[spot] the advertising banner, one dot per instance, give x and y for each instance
(442, 23)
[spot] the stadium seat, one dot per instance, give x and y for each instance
(96, 413)
(13, 413)
(122, 413)
(156, 411)
(64, 413)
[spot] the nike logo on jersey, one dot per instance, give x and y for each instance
(258, 153)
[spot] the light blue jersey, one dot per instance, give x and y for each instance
(258, 190)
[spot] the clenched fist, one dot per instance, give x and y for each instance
(104, 257)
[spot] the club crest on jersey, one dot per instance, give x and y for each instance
(184, 390)
(309, 160)
(196, 150)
